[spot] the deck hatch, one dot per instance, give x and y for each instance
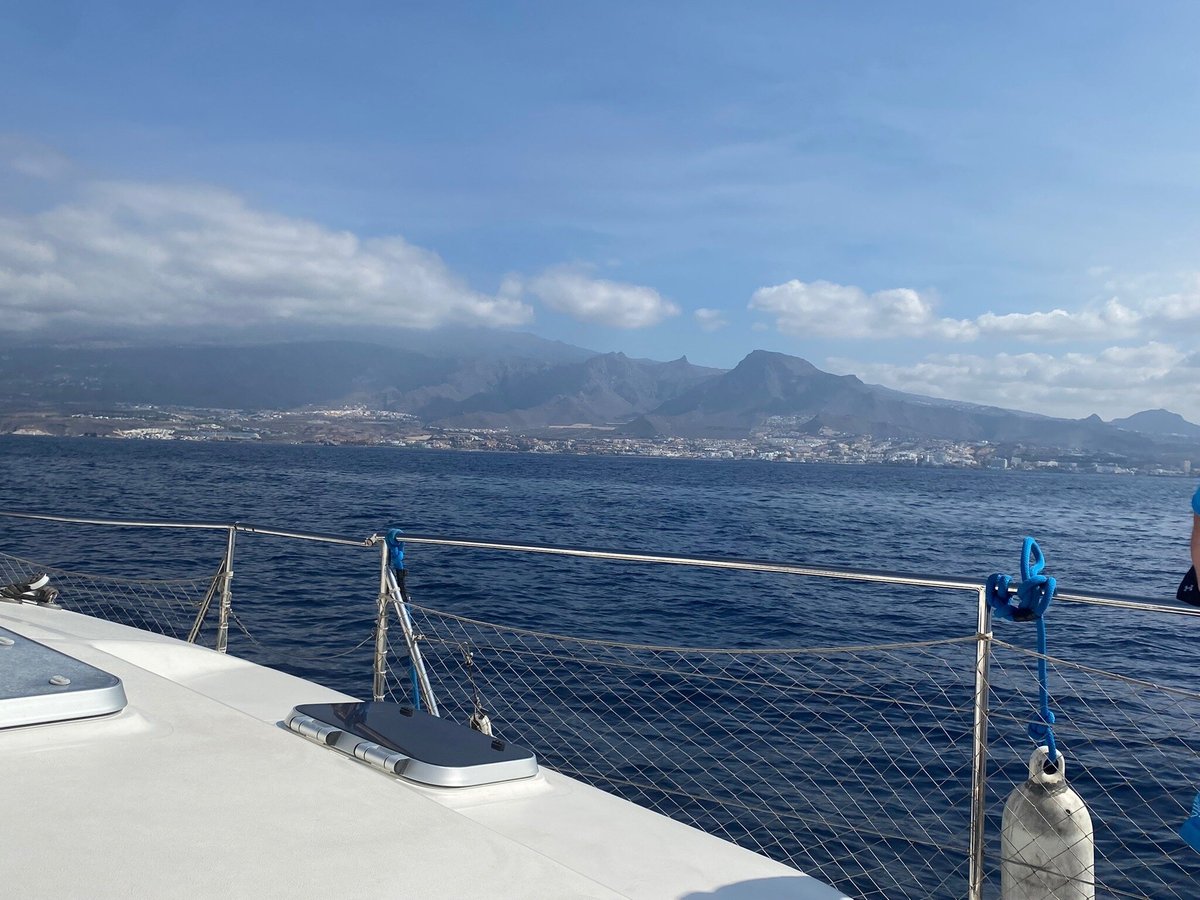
(409, 742)
(39, 685)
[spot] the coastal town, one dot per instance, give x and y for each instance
(360, 426)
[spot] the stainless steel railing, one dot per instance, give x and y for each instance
(243, 527)
(878, 576)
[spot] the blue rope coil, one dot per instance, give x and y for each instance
(395, 548)
(396, 560)
(1029, 604)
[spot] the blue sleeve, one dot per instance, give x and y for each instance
(1196, 502)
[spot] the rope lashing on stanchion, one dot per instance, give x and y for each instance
(395, 549)
(1029, 603)
(396, 560)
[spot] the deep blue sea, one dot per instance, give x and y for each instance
(307, 602)
(1114, 534)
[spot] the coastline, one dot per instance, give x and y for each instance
(829, 449)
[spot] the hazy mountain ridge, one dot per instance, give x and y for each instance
(272, 376)
(767, 384)
(1158, 421)
(530, 384)
(606, 388)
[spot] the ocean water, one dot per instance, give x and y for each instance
(305, 607)
(1116, 534)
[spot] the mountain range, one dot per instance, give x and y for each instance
(523, 383)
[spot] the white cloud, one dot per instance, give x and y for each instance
(32, 159)
(1110, 321)
(826, 309)
(710, 319)
(1116, 381)
(132, 254)
(570, 290)
(1179, 309)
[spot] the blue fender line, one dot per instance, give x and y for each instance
(1190, 831)
(1029, 604)
(395, 548)
(396, 559)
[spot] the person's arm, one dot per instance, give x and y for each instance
(1196, 542)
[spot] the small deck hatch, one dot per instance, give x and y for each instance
(408, 742)
(39, 685)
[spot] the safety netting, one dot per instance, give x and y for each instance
(851, 763)
(809, 756)
(169, 606)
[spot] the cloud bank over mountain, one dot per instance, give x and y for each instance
(847, 311)
(105, 259)
(1128, 352)
(129, 254)
(573, 291)
(120, 255)
(1110, 382)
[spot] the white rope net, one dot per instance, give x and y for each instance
(165, 606)
(1132, 752)
(850, 763)
(808, 756)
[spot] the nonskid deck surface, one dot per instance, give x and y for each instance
(194, 789)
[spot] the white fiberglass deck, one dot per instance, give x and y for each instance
(195, 790)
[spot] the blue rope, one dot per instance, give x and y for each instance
(395, 548)
(1029, 603)
(1043, 732)
(396, 559)
(1190, 831)
(416, 685)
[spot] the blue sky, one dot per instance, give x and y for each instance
(996, 204)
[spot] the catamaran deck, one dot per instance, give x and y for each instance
(875, 766)
(195, 789)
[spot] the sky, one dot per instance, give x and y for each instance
(997, 203)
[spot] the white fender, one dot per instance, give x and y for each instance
(1047, 851)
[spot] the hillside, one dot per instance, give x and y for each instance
(525, 384)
